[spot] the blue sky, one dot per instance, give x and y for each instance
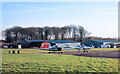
(99, 18)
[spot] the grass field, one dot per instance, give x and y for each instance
(93, 49)
(34, 62)
(98, 49)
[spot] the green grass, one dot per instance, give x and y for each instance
(6, 50)
(104, 49)
(97, 49)
(93, 49)
(31, 62)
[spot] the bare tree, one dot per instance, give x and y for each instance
(56, 32)
(63, 32)
(40, 31)
(76, 33)
(47, 32)
(83, 33)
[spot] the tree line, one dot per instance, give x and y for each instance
(69, 32)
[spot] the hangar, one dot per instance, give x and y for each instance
(38, 43)
(99, 43)
(31, 43)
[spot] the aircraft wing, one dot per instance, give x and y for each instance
(86, 47)
(68, 49)
(79, 48)
(53, 49)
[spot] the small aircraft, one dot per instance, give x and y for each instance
(85, 48)
(52, 48)
(79, 47)
(56, 48)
